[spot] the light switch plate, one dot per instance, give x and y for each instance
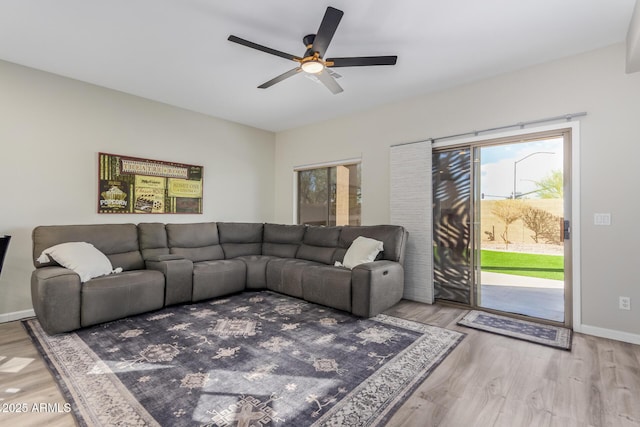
(602, 219)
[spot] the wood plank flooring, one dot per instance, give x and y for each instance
(33, 385)
(491, 380)
(488, 380)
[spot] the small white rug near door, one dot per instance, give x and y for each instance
(549, 335)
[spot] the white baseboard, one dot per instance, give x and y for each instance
(16, 315)
(609, 333)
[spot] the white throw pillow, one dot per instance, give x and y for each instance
(362, 249)
(81, 257)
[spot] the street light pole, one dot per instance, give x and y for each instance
(515, 164)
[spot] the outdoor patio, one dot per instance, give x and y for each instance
(530, 296)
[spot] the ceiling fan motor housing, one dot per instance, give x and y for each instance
(308, 42)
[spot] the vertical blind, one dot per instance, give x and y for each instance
(411, 207)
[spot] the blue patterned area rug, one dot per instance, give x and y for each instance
(252, 359)
(549, 335)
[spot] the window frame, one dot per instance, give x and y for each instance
(324, 165)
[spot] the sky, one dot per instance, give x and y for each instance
(497, 166)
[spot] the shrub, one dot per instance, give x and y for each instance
(545, 226)
(509, 211)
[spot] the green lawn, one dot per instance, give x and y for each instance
(520, 264)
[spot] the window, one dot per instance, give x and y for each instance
(329, 195)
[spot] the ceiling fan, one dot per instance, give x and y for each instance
(313, 61)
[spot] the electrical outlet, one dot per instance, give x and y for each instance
(625, 303)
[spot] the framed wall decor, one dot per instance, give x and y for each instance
(145, 186)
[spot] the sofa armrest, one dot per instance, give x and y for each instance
(178, 274)
(56, 299)
(375, 287)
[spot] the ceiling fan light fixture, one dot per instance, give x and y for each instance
(312, 67)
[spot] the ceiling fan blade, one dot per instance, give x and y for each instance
(280, 78)
(262, 48)
(329, 82)
(327, 29)
(360, 61)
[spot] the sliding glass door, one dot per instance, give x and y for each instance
(499, 225)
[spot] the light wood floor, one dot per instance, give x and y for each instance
(488, 380)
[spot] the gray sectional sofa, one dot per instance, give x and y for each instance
(166, 264)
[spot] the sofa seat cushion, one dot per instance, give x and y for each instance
(326, 285)
(256, 270)
(113, 297)
(284, 275)
(216, 278)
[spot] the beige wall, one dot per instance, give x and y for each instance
(51, 129)
(594, 82)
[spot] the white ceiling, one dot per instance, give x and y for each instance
(176, 51)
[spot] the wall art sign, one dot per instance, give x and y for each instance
(135, 185)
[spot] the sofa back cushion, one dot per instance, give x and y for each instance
(319, 244)
(240, 238)
(393, 237)
(119, 242)
(153, 239)
(197, 241)
(282, 240)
